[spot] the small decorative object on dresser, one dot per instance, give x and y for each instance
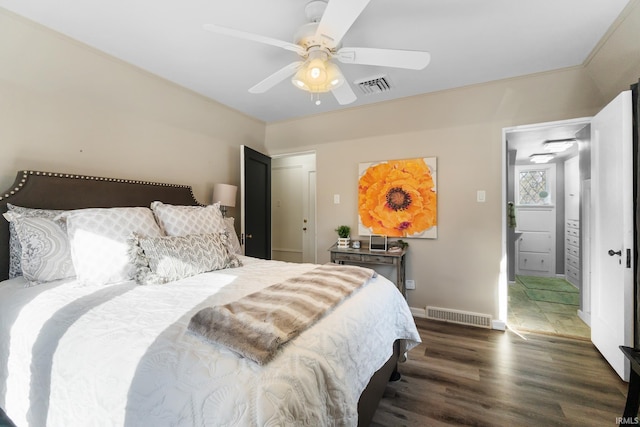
(377, 243)
(343, 236)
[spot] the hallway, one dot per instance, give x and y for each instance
(527, 314)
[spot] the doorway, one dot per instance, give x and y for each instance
(543, 206)
(293, 207)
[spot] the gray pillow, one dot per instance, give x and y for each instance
(45, 252)
(164, 259)
(181, 220)
(232, 241)
(15, 248)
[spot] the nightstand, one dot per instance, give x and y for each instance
(365, 256)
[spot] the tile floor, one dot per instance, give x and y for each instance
(546, 317)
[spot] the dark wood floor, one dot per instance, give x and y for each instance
(471, 376)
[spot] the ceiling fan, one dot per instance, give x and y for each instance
(318, 43)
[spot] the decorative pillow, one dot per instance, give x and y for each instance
(164, 259)
(232, 241)
(15, 249)
(45, 253)
(178, 220)
(98, 238)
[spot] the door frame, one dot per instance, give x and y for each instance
(311, 204)
(503, 279)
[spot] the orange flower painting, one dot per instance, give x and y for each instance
(397, 198)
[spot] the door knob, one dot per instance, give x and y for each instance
(249, 236)
(612, 253)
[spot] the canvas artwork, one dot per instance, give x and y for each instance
(398, 198)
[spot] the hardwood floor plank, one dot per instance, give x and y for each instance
(470, 376)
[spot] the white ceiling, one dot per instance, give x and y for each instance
(470, 41)
(529, 139)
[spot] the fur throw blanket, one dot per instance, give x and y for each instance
(257, 325)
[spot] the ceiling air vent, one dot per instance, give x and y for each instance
(374, 85)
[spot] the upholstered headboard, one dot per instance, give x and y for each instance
(48, 190)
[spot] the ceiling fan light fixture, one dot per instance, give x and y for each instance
(334, 76)
(316, 72)
(318, 75)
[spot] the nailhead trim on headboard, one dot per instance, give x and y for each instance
(25, 176)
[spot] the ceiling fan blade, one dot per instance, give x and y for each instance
(337, 19)
(218, 29)
(344, 94)
(411, 59)
(276, 77)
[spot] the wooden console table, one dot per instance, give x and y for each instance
(365, 256)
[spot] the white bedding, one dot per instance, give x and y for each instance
(120, 355)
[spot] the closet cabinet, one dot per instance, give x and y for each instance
(535, 246)
(572, 221)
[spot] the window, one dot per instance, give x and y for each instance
(535, 184)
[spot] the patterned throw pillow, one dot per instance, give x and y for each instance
(45, 252)
(98, 238)
(164, 259)
(15, 249)
(232, 242)
(178, 220)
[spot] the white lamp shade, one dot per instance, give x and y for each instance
(225, 194)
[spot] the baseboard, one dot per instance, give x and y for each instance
(418, 312)
(499, 325)
(586, 317)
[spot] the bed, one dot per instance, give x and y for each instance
(73, 352)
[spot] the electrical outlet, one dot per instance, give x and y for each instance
(410, 284)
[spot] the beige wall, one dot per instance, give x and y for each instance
(65, 107)
(615, 62)
(463, 129)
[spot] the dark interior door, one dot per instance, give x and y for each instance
(256, 202)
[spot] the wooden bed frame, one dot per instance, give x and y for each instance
(48, 190)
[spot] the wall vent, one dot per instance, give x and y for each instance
(457, 316)
(372, 85)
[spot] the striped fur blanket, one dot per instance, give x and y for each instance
(256, 325)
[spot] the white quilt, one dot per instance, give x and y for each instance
(121, 355)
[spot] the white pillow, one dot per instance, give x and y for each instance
(179, 220)
(45, 254)
(232, 241)
(98, 238)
